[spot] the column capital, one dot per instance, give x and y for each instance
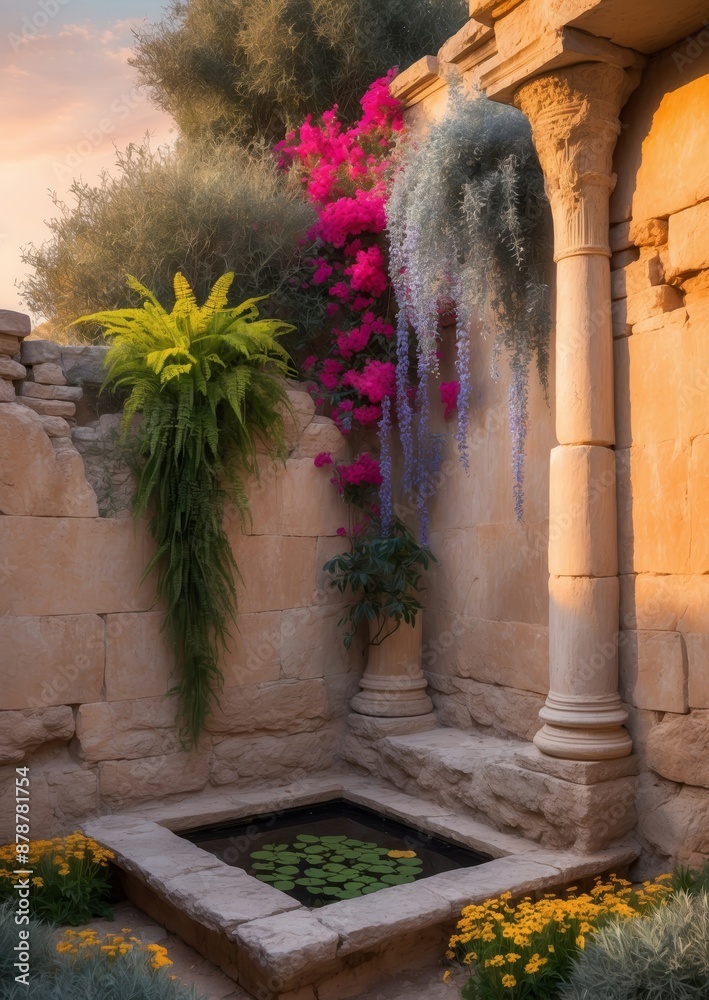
(574, 117)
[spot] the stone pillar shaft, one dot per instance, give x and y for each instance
(574, 118)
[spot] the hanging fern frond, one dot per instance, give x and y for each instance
(209, 383)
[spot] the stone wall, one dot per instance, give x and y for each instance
(84, 665)
(660, 235)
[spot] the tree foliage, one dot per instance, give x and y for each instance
(200, 210)
(250, 69)
(208, 382)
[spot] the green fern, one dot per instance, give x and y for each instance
(209, 384)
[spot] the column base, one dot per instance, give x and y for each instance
(579, 743)
(392, 697)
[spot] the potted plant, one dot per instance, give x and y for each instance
(383, 575)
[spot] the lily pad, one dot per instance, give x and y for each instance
(263, 866)
(284, 886)
(308, 838)
(398, 879)
(288, 870)
(411, 862)
(264, 855)
(375, 887)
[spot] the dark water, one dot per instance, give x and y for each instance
(340, 850)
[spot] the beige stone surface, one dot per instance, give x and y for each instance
(654, 528)
(139, 663)
(55, 427)
(678, 748)
(283, 706)
(34, 480)
(49, 373)
(24, 731)
(127, 730)
(698, 669)
(298, 417)
(321, 435)
(63, 794)
(9, 345)
(40, 390)
(311, 643)
(278, 505)
(582, 511)
(653, 671)
(675, 820)
(464, 703)
(277, 571)
(7, 392)
(36, 352)
(55, 660)
(653, 300)
(649, 232)
(83, 548)
(49, 407)
(253, 653)
(262, 758)
(122, 782)
(288, 944)
(689, 239)
(10, 369)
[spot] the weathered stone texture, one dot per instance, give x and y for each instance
(283, 707)
(55, 660)
(264, 758)
(10, 369)
(126, 730)
(689, 239)
(26, 730)
(50, 373)
(37, 352)
(34, 479)
(138, 780)
(678, 748)
(464, 703)
(139, 663)
(653, 670)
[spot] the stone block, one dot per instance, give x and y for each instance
(653, 671)
(578, 772)
(648, 232)
(9, 345)
(321, 435)
(139, 663)
(622, 258)
(49, 373)
(464, 704)
(16, 323)
(689, 239)
(48, 407)
(698, 669)
(24, 731)
(281, 707)
(509, 653)
(644, 273)
(619, 319)
(582, 511)
(678, 748)
(83, 364)
(10, 369)
(126, 730)
(39, 390)
(264, 758)
(654, 528)
(287, 945)
(656, 299)
(361, 924)
(34, 480)
(253, 653)
(38, 352)
(620, 237)
(122, 782)
(55, 660)
(62, 794)
(675, 319)
(70, 545)
(311, 643)
(297, 417)
(55, 427)
(279, 506)
(7, 391)
(668, 602)
(277, 571)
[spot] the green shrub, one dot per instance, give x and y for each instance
(209, 383)
(70, 878)
(97, 971)
(249, 69)
(201, 211)
(663, 956)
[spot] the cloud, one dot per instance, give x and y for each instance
(69, 97)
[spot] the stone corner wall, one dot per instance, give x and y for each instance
(85, 667)
(660, 287)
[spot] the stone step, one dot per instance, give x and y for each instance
(507, 784)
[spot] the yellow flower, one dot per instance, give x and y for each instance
(401, 854)
(509, 982)
(446, 975)
(38, 882)
(581, 942)
(512, 956)
(495, 961)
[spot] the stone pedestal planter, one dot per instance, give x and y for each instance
(393, 685)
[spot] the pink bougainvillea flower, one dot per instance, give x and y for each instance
(376, 381)
(309, 362)
(342, 532)
(449, 397)
(364, 471)
(323, 458)
(367, 414)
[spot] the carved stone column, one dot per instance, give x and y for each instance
(574, 118)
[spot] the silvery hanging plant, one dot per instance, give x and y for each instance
(468, 226)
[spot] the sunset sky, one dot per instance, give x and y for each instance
(67, 96)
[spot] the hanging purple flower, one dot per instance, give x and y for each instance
(385, 490)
